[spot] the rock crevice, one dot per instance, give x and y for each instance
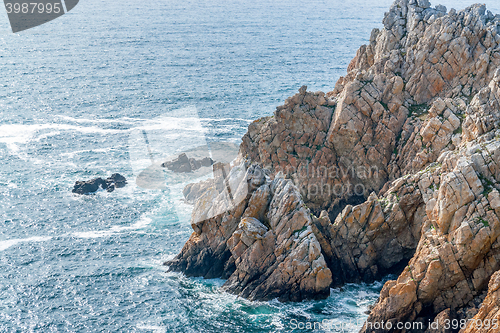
(394, 171)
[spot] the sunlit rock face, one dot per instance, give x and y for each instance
(401, 164)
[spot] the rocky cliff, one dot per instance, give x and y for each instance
(401, 162)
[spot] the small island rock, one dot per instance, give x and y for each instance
(109, 184)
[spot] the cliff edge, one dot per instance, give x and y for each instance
(401, 162)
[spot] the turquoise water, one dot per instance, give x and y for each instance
(74, 90)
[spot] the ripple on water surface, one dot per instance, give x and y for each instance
(73, 91)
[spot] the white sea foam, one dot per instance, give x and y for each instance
(157, 329)
(14, 135)
(166, 123)
(92, 234)
(174, 126)
(11, 242)
(227, 119)
(123, 120)
(75, 152)
(47, 135)
(128, 120)
(142, 223)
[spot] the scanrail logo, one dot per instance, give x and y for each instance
(26, 14)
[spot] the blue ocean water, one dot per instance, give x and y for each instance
(71, 93)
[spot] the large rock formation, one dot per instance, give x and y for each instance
(458, 249)
(401, 162)
(264, 245)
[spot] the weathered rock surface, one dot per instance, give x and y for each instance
(442, 323)
(401, 162)
(424, 62)
(109, 184)
(194, 191)
(264, 246)
(367, 241)
(487, 320)
(458, 249)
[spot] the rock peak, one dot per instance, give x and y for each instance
(401, 164)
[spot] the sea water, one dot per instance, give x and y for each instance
(72, 93)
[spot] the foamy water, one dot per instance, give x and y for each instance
(77, 94)
(4, 245)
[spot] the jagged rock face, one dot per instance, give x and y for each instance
(459, 247)
(436, 53)
(332, 157)
(264, 246)
(427, 134)
(401, 160)
(369, 240)
(348, 143)
(293, 141)
(283, 259)
(487, 320)
(483, 114)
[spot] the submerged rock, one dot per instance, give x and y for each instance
(184, 164)
(109, 184)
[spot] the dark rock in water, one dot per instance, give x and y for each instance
(180, 164)
(109, 184)
(207, 161)
(90, 186)
(195, 164)
(185, 164)
(118, 180)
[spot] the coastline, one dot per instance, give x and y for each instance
(425, 119)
